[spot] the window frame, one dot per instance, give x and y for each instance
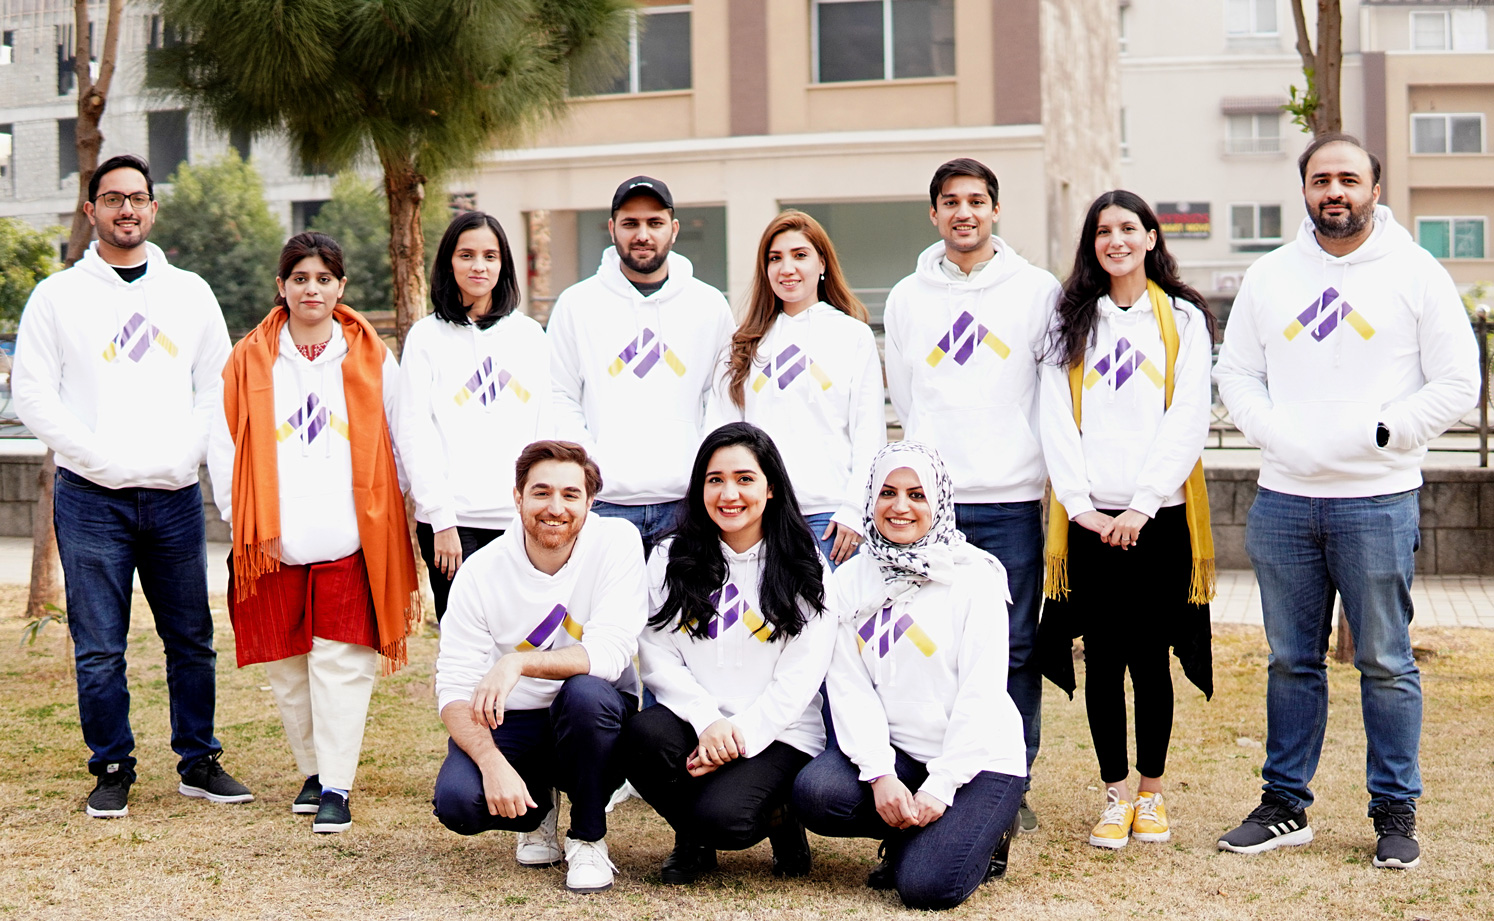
(889, 44)
(1255, 30)
(1451, 221)
(1238, 145)
(634, 77)
(1256, 240)
(1447, 39)
(1483, 137)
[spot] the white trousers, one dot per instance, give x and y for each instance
(323, 698)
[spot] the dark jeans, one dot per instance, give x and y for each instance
(1012, 532)
(935, 867)
(473, 539)
(652, 521)
(104, 537)
(572, 745)
(726, 809)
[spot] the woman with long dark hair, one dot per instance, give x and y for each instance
(323, 582)
(803, 366)
(1124, 417)
(929, 757)
(735, 652)
(474, 390)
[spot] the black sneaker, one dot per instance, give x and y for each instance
(883, 876)
(1001, 856)
(791, 858)
(207, 780)
(687, 862)
(333, 815)
(110, 798)
(1273, 824)
(310, 798)
(1395, 826)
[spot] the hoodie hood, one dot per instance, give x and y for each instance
(610, 273)
(1003, 266)
(1387, 238)
(93, 264)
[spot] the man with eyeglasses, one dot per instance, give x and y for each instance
(118, 370)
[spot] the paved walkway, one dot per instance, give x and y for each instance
(1441, 601)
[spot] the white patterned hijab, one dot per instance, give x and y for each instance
(932, 558)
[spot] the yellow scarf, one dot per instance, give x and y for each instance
(1195, 494)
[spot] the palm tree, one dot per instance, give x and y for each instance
(425, 86)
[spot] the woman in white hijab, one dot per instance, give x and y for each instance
(930, 757)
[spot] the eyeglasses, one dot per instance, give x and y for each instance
(115, 200)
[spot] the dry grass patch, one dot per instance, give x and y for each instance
(179, 858)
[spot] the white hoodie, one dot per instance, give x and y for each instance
(769, 690)
(1131, 454)
(632, 372)
(1320, 349)
(816, 389)
(313, 454)
(500, 602)
(938, 691)
(121, 380)
(962, 370)
(470, 400)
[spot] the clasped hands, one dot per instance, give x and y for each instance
(1122, 531)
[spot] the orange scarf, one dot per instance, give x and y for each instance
(249, 404)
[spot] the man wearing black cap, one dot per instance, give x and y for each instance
(635, 346)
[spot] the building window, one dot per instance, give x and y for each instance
(702, 240)
(882, 39)
(658, 52)
(1125, 136)
(7, 153)
(1250, 17)
(873, 240)
(304, 212)
(67, 148)
(1452, 237)
(1125, 8)
(167, 133)
(1257, 133)
(7, 47)
(1430, 32)
(1254, 225)
(1447, 134)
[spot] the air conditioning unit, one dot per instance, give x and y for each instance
(1228, 281)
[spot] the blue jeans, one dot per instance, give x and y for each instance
(1012, 532)
(104, 536)
(935, 867)
(652, 521)
(573, 745)
(817, 524)
(1304, 549)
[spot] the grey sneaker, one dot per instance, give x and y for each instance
(206, 779)
(1026, 816)
(1395, 826)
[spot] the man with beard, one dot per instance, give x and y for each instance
(1347, 351)
(966, 335)
(635, 348)
(118, 370)
(535, 675)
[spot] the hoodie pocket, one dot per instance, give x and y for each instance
(1324, 438)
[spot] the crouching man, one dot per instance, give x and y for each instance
(535, 679)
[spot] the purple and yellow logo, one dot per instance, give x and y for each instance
(732, 609)
(1323, 318)
(486, 386)
(643, 353)
(310, 421)
(882, 633)
(790, 363)
(961, 340)
(135, 338)
(1122, 366)
(545, 634)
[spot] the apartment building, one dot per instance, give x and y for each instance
(1429, 96)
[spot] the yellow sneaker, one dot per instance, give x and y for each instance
(1114, 829)
(1150, 823)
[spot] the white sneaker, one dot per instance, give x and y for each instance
(588, 869)
(541, 847)
(621, 795)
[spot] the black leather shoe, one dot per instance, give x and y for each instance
(883, 876)
(790, 844)
(1003, 849)
(686, 862)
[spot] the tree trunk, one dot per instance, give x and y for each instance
(1329, 71)
(1343, 646)
(46, 568)
(404, 189)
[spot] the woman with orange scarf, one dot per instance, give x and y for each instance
(323, 579)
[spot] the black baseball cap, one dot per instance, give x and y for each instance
(642, 185)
